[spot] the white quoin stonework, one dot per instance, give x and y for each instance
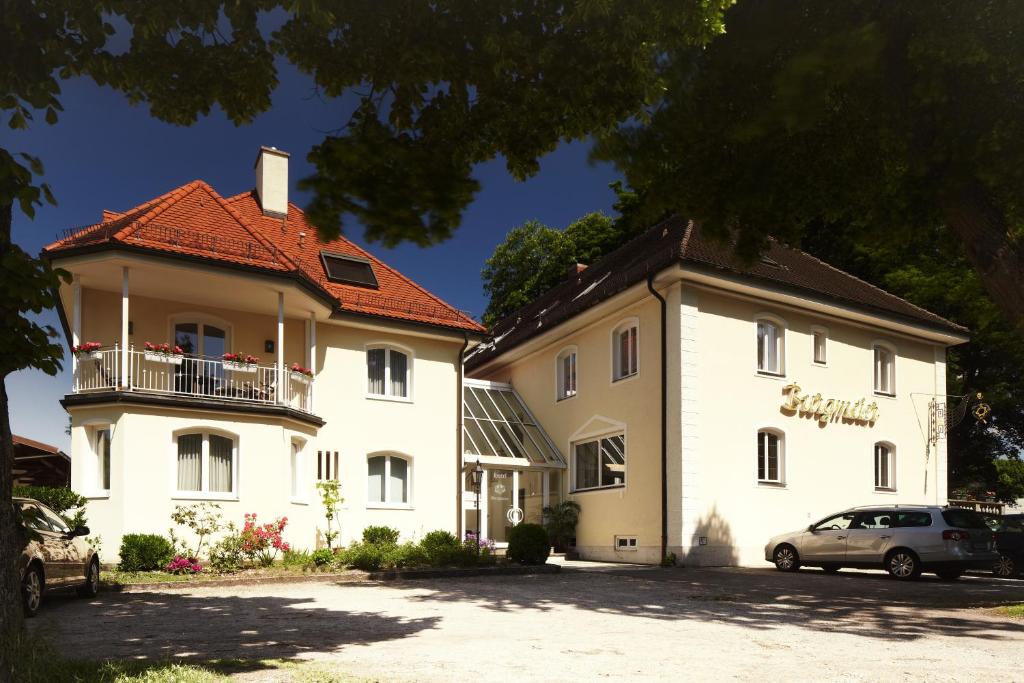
(272, 181)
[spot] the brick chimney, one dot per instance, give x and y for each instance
(272, 181)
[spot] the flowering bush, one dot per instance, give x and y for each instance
(301, 370)
(183, 565)
(241, 358)
(262, 542)
(164, 348)
(87, 347)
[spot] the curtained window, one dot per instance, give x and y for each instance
(387, 480)
(206, 463)
(387, 372)
(625, 352)
(769, 457)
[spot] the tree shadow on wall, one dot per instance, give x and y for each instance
(711, 544)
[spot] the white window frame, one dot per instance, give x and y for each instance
(781, 436)
(388, 348)
(204, 492)
(623, 326)
(387, 504)
(890, 454)
(561, 391)
(781, 327)
(875, 370)
(823, 332)
(200, 320)
(598, 438)
(299, 482)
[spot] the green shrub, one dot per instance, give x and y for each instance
(380, 535)
(227, 555)
(405, 556)
(296, 559)
(322, 557)
(369, 557)
(441, 548)
(145, 552)
(528, 544)
(60, 499)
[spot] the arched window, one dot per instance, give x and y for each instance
(885, 467)
(625, 350)
(388, 480)
(388, 372)
(565, 373)
(885, 370)
(771, 346)
(770, 457)
(206, 463)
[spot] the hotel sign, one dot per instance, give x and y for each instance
(826, 410)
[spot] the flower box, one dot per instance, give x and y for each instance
(238, 366)
(95, 355)
(300, 377)
(87, 350)
(158, 357)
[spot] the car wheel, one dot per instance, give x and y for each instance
(91, 587)
(950, 574)
(903, 565)
(1005, 567)
(786, 559)
(830, 568)
(32, 590)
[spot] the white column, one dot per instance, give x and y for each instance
(123, 381)
(76, 323)
(281, 393)
(482, 531)
(311, 361)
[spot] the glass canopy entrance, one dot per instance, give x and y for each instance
(521, 465)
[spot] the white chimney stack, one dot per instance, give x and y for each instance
(272, 181)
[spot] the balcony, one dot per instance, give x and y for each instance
(206, 379)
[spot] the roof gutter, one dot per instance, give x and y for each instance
(664, 418)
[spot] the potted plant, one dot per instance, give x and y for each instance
(164, 353)
(301, 374)
(87, 350)
(240, 362)
(560, 521)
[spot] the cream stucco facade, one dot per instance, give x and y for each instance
(718, 512)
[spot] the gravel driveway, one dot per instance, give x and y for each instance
(613, 623)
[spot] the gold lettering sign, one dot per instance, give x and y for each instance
(826, 410)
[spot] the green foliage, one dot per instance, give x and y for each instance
(228, 554)
(330, 498)
(441, 548)
(202, 519)
(369, 557)
(406, 556)
(534, 258)
(380, 535)
(144, 552)
(528, 544)
(560, 522)
(322, 557)
(60, 499)
(296, 559)
(1009, 479)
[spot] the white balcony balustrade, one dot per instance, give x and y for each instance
(191, 376)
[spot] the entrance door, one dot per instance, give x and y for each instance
(204, 345)
(503, 511)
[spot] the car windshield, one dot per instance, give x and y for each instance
(964, 519)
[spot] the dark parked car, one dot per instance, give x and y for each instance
(55, 556)
(1010, 544)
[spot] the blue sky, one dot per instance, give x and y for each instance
(105, 153)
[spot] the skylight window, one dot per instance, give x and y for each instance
(497, 423)
(349, 270)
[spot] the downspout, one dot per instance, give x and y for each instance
(459, 437)
(664, 419)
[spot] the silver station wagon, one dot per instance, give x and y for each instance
(905, 540)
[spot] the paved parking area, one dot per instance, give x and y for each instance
(617, 623)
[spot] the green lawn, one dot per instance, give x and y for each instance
(1016, 611)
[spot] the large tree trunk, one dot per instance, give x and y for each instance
(12, 621)
(995, 255)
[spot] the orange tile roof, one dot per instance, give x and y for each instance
(194, 220)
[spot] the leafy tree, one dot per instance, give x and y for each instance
(894, 117)
(441, 86)
(534, 257)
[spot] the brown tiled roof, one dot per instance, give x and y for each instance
(35, 445)
(677, 241)
(194, 220)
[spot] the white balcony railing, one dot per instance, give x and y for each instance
(192, 376)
